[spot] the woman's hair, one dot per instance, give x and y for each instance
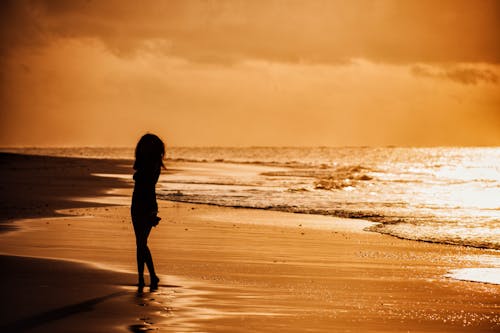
(149, 152)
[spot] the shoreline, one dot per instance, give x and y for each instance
(245, 270)
(114, 171)
(371, 228)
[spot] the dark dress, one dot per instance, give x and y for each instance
(144, 197)
(143, 210)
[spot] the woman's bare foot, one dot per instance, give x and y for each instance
(154, 282)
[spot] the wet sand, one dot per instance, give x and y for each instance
(50, 295)
(240, 270)
(38, 186)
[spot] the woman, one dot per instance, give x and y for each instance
(149, 155)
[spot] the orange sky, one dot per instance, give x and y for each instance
(230, 73)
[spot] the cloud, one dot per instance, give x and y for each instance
(19, 26)
(75, 90)
(472, 75)
(299, 31)
(461, 74)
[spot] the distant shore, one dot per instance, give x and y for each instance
(223, 269)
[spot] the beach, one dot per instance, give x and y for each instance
(69, 261)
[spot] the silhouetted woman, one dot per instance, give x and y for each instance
(148, 163)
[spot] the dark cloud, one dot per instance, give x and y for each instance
(298, 31)
(464, 75)
(20, 25)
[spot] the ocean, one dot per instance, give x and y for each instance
(443, 195)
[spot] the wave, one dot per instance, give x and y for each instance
(401, 227)
(343, 177)
(328, 178)
(181, 197)
(271, 163)
(405, 230)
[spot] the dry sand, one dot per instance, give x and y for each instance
(232, 270)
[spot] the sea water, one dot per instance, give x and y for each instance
(445, 195)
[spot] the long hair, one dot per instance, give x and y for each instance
(149, 152)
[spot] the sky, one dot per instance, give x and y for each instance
(250, 73)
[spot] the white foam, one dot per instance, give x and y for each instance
(484, 275)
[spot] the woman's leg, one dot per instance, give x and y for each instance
(144, 256)
(140, 261)
(141, 240)
(149, 262)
